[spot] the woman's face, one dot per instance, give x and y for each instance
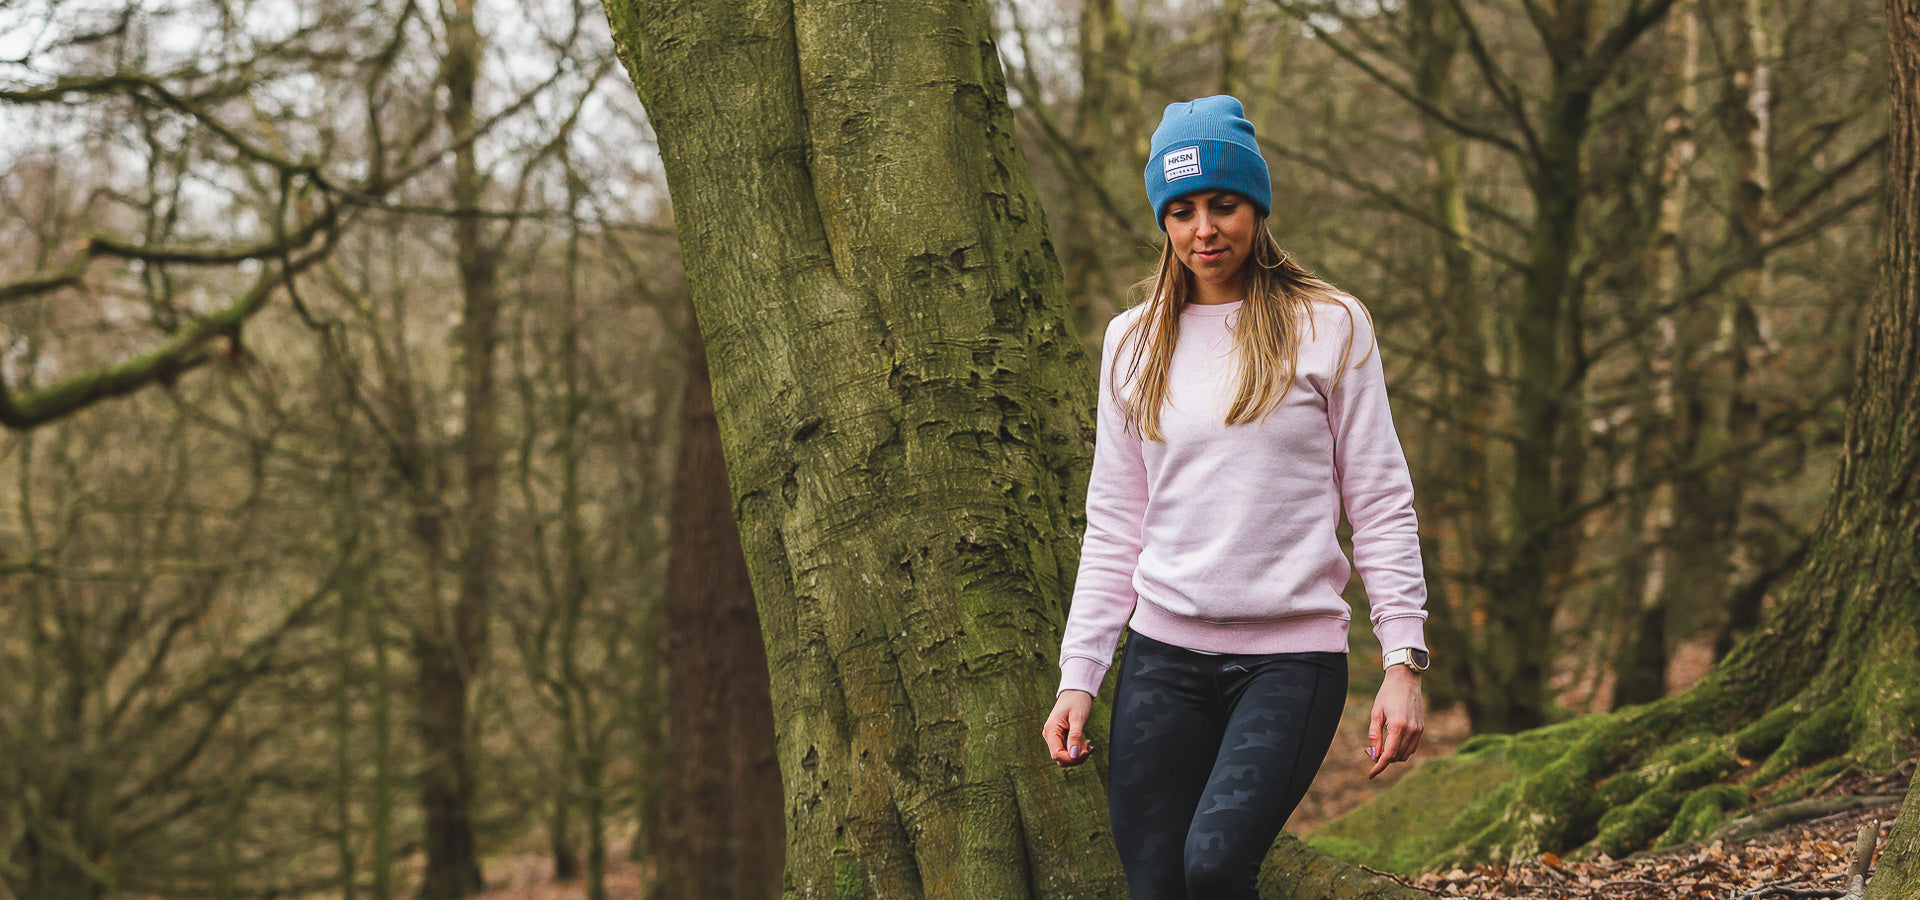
(1212, 234)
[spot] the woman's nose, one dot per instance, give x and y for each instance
(1203, 226)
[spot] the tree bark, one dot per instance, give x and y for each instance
(722, 793)
(1898, 876)
(1893, 355)
(902, 404)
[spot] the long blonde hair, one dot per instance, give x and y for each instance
(1279, 297)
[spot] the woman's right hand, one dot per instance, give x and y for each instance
(1065, 727)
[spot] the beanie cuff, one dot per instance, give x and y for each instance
(1217, 165)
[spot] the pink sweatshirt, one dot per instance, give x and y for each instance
(1221, 539)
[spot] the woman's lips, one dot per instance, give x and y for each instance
(1209, 255)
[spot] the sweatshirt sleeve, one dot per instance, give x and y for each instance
(1103, 595)
(1377, 491)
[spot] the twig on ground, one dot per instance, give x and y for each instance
(1758, 893)
(1400, 880)
(1862, 858)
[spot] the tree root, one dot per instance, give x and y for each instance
(1293, 871)
(1771, 818)
(1659, 775)
(1830, 684)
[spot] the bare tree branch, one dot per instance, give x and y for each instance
(1401, 90)
(1392, 199)
(185, 349)
(1059, 145)
(1503, 88)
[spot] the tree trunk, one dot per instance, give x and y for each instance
(722, 791)
(902, 404)
(1106, 92)
(906, 415)
(1898, 876)
(1549, 453)
(380, 828)
(449, 644)
(1641, 668)
(1463, 536)
(1232, 27)
(1736, 418)
(1514, 654)
(1831, 681)
(1893, 343)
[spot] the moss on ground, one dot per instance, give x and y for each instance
(1610, 783)
(1684, 768)
(1830, 685)
(1399, 830)
(1702, 813)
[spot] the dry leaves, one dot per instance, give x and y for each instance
(1810, 855)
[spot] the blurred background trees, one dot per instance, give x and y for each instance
(343, 348)
(372, 571)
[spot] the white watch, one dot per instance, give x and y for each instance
(1406, 656)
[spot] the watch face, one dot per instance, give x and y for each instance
(1420, 659)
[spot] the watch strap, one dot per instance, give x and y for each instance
(1401, 657)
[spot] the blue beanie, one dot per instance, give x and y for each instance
(1205, 145)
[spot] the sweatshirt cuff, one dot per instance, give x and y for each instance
(1401, 631)
(1081, 674)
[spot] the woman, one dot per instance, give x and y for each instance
(1251, 410)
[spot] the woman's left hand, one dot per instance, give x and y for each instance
(1399, 718)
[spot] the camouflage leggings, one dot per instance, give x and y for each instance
(1208, 757)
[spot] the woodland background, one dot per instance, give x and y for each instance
(365, 520)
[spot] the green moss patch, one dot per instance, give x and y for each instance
(1404, 827)
(1702, 813)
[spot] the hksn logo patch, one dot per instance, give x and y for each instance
(1181, 163)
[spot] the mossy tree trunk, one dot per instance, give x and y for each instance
(1830, 682)
(1893, 351)
(1898, 877)
(906, 415)
(903, 407)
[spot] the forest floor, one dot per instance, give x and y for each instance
(1810, 857)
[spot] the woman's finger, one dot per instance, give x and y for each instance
(1389, 749)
